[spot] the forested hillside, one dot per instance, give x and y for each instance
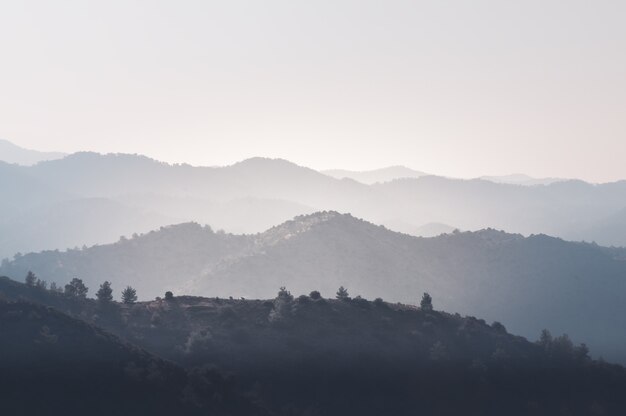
(54, 364)
(314, 355)
(525, 282)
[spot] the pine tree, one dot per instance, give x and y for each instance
(342, 293)
(105, 293)
(427, 302)
(129, 295)
(31, 279)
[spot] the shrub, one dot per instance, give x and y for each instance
(76, 288)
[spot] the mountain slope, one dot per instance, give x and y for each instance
(314, 356)
(528, 282)
(12, 153)
(152, 263)
(54, 364)
(571, 287)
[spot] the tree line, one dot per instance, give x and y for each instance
(76, 288)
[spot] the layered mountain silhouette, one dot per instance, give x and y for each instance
(252, 195)
(526, 282)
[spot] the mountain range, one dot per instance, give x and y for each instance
(108, 196)
(525, 282)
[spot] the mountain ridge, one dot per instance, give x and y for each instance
(282, 349)
(501, 276)
(252, 195)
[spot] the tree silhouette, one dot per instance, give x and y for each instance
(342, 293)
(545, 340)
(315, 295)
(76, 288)
(427, 302)
(169, 295)
(282, 306)
(129, 295)
(283, 293)
(31, 279)
(105, 293)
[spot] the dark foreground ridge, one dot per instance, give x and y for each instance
(54, 364)
(302, 356)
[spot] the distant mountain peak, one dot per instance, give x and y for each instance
(259, 162)
(262, 159)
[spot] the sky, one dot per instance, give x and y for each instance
(456, 88)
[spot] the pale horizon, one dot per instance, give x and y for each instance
(450, 88)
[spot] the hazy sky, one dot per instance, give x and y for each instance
(461, 88)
